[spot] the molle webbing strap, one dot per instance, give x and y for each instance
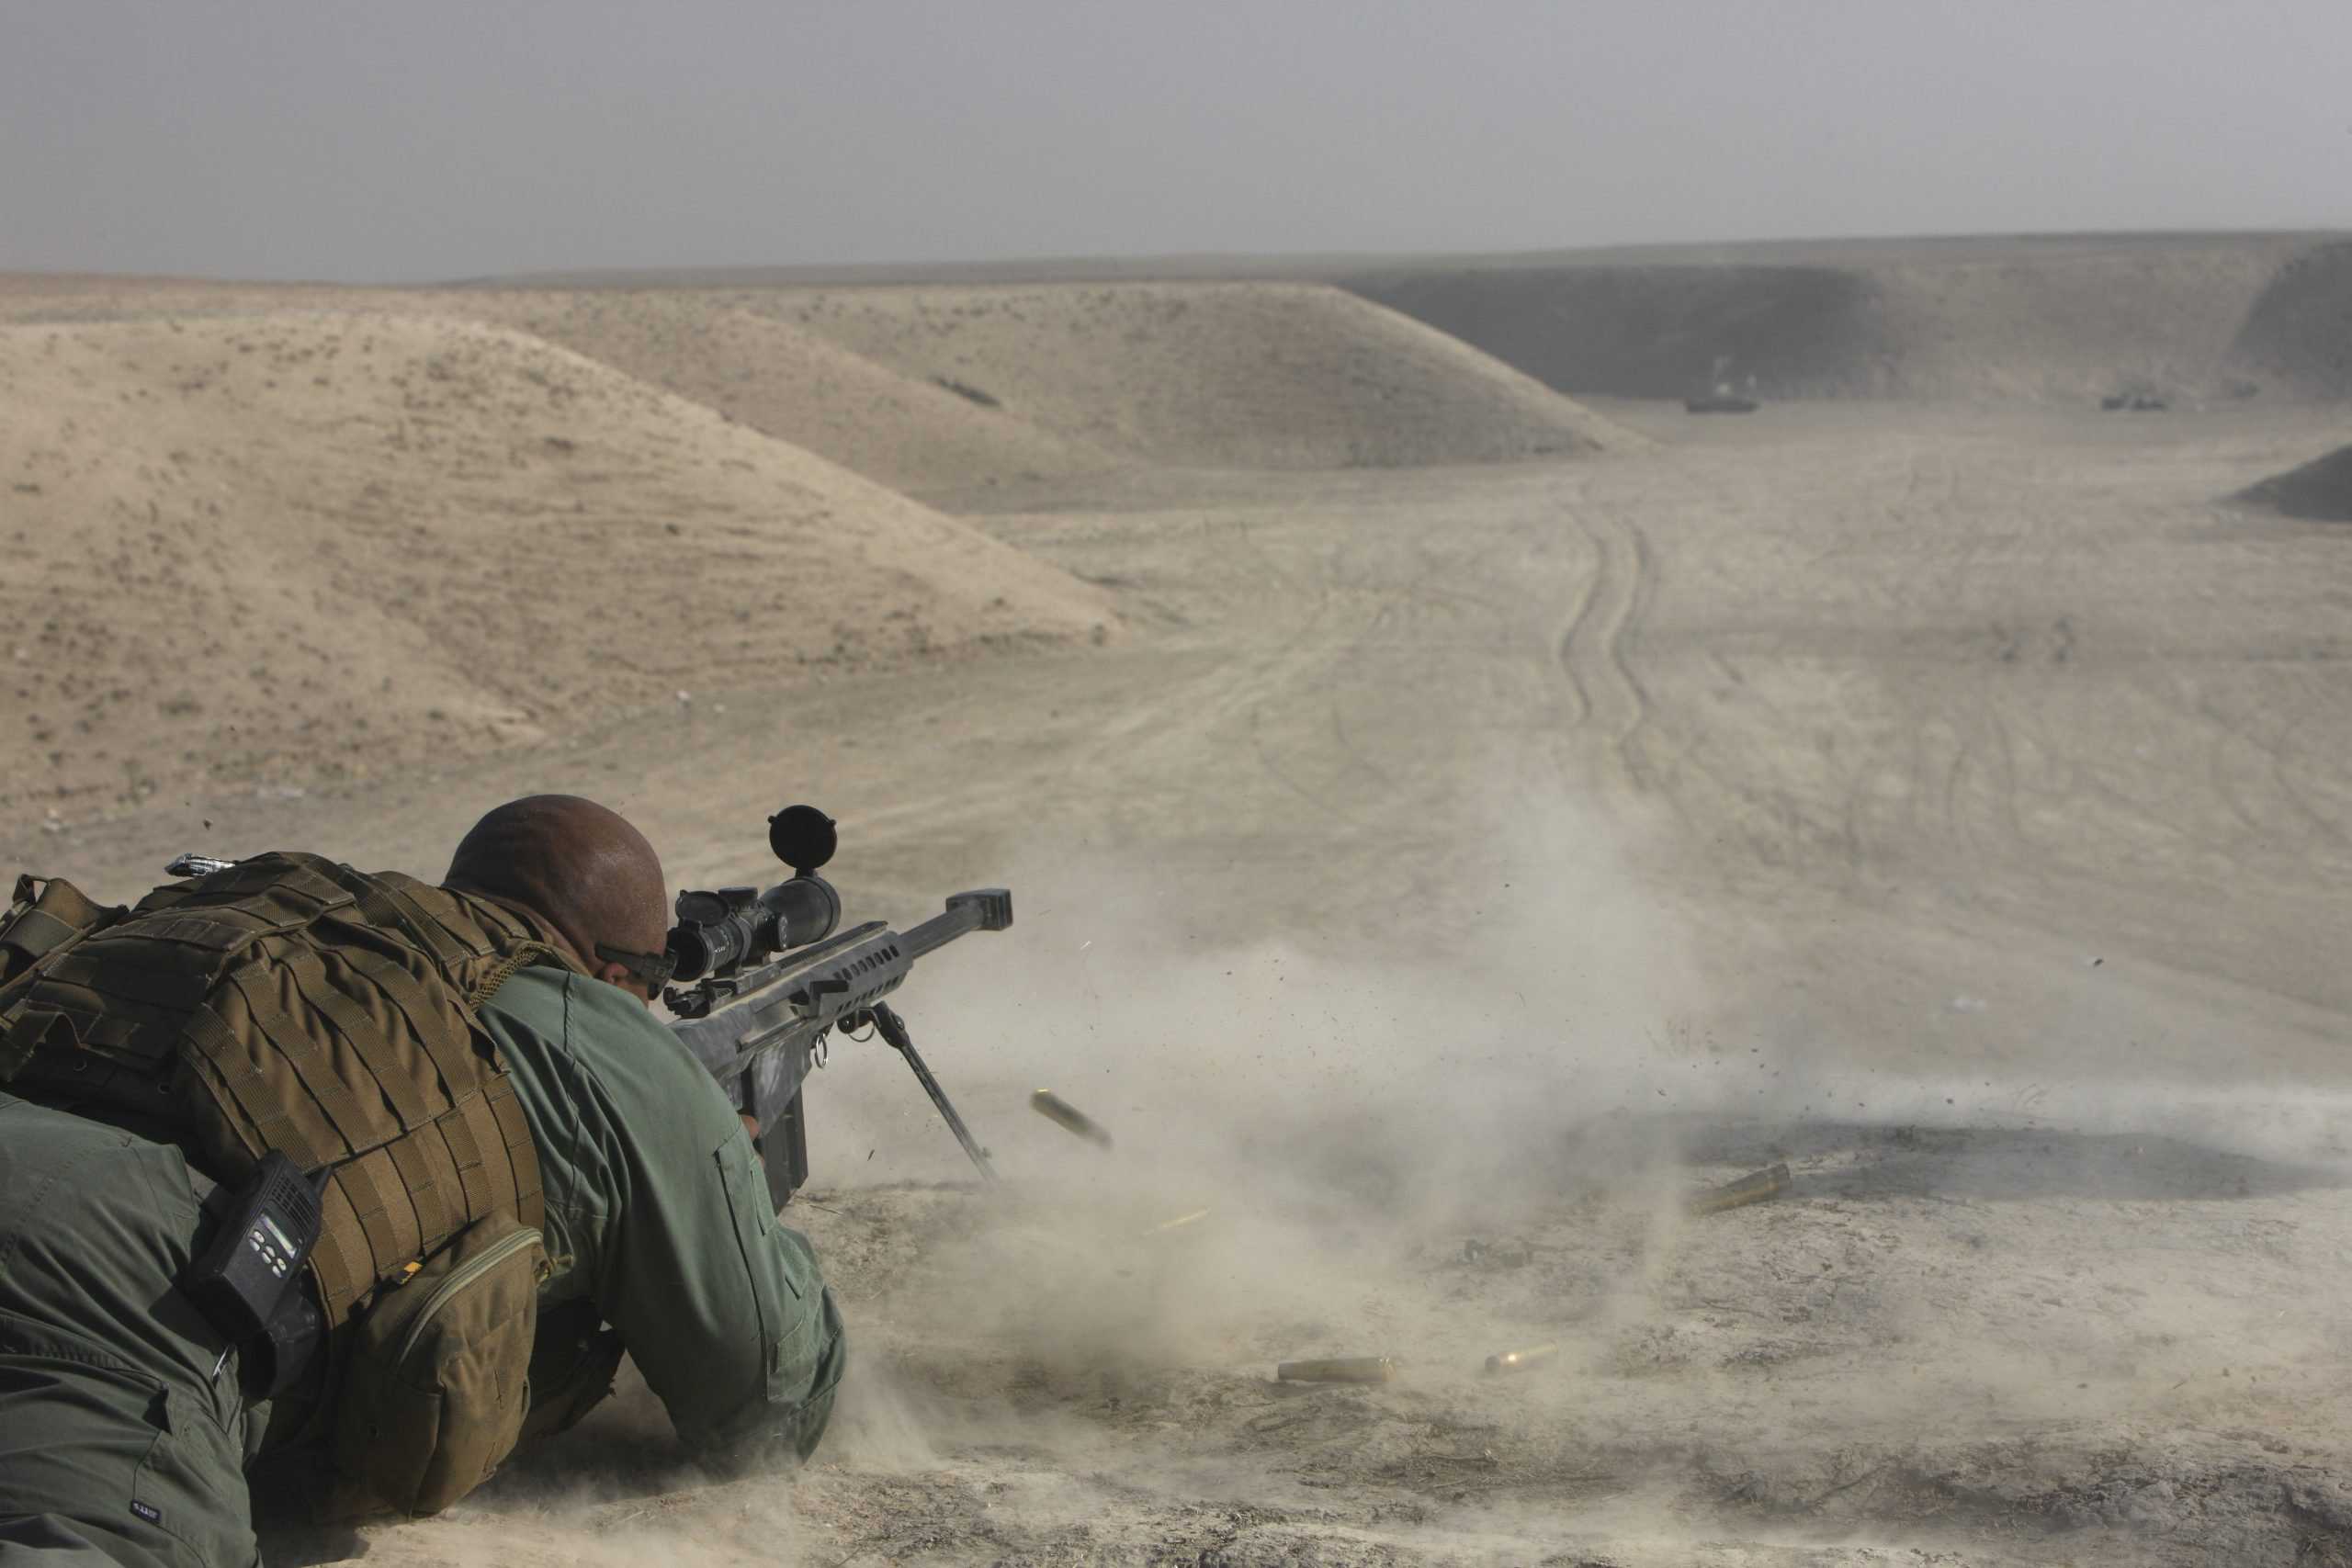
(522, 1155)
(33, 931)
(122, 972)
(464, 1126)
(225, 929)
(447, 913)
(383, 904)
(371, 1186)
(477, 943)
(389, 910)
(25, 1033)
(258, 1094)
(121, 1032)
(434, 1021)
(170, 895)
(506, 924)
(94, 1047)
(45, 915)
(431, 1187)
(383, 1218)
(227, 912)
(357, 1121)
(340, 1257)
(277, 875)
(358, 1034)
(119, 1037)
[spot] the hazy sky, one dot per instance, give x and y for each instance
(409, 140)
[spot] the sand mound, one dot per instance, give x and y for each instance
(2073, 327)
(2053, 321)
(897, 430)
(2299, 332)
(940, 389)
(906, 433)
(252, 549)
(1223, 374)
(1648, 332)
(2319, 491)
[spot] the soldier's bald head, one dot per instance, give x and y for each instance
(577, 865)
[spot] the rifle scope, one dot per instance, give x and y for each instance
(719, 932)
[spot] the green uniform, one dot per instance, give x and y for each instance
(120, 1441)
(658, 1211)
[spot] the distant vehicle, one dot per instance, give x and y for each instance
(2133, 403)
(1720, 398)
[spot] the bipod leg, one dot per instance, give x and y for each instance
(893, 1029)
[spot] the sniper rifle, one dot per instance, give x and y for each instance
(769, 980)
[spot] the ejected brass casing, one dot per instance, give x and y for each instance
(1062, 1113)
(1520, 1361)
(1738, 1195)
(1179, 1222)
(1343, 1369)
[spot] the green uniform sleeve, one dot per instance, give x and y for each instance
(658, 1211)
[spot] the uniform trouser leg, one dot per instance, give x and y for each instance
(120, 1442)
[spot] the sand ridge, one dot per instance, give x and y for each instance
(903, 431)
(2299, 332)
(933, 391)
(1236, 375)
(2054, 323)
(2058, 318)
(2318, 492)
(336, 543)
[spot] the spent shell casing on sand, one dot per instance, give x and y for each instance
(1342, 1369)
(1755, 1188)
(1063, 1115)
(1520, 1361)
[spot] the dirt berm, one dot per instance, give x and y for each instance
(908, 432)
(1238, 375)
(2319, 491)
(938, 389)
(2041, 321)
(2299, 331)
(334, 544)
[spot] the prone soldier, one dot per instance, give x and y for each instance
(372, 1179)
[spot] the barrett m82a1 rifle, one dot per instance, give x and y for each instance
(769, 980)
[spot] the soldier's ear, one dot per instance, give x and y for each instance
(618, 974)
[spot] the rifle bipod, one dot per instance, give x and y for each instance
(893, 1029)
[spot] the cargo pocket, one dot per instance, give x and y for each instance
(87, 1437)
(747, 1202)
(438, 1383)
(185, 1484)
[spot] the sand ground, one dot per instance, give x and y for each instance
(1440, 873)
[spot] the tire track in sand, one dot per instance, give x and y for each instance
(1590, 648)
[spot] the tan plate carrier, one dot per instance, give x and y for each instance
(294, 1004)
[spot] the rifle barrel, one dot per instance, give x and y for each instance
(983, 909)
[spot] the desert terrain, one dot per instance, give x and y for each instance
(1458, 804)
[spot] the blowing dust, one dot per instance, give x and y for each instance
(1436, 1158)
(1281, 1121)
